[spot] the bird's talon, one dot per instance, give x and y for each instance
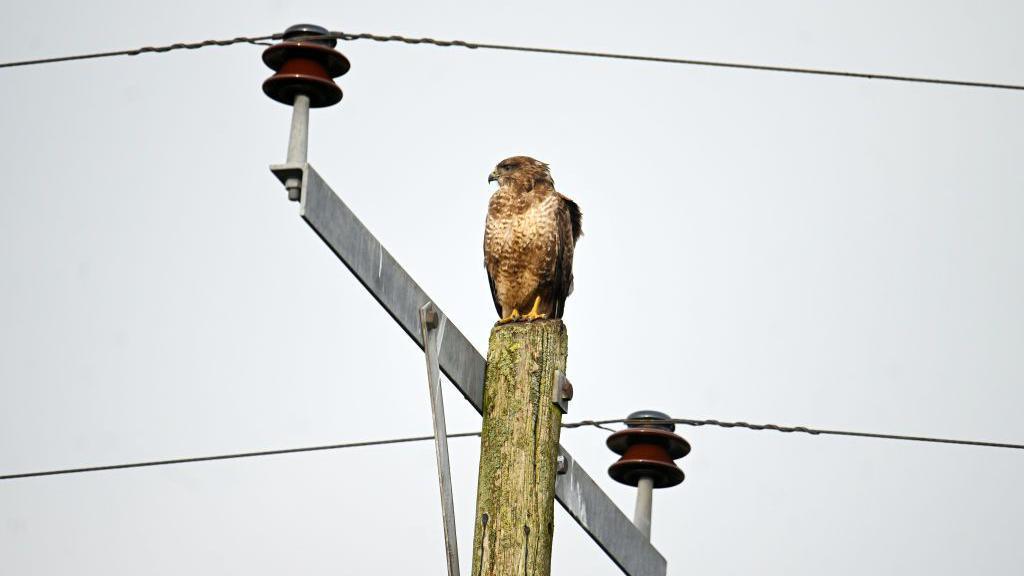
(511, 317)
(534, 314)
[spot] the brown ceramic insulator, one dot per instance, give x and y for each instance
(304, 68)
(647, 452)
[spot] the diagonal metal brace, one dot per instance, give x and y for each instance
(432, 326)
(464, 366)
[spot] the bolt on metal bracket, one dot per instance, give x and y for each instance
(561, 392)
(292, 176)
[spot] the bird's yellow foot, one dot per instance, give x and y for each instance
(534, 314)
(510, 318)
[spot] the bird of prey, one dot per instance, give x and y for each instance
(529, 239)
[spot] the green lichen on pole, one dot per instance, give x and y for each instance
(519, 450)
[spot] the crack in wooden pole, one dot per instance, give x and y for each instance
(519, 450)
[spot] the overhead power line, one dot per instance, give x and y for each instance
(798, 429)
(260, 40)
(231, 456)
(668, 60)
(557, 51)
(595, 423)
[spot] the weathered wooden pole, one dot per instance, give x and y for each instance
(519, 450)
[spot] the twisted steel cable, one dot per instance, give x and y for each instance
(797, 429)
(348, 36)
(259, 40)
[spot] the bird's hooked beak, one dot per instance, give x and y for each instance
(493, 177)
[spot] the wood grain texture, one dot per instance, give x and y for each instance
(518, 450)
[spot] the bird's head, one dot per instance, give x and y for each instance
(521, 172)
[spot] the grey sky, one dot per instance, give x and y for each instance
(764, 247)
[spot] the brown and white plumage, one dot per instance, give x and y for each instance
(529, 239)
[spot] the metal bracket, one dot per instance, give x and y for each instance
(400, 295)
(290, 175)
(561, 392)
(432, 328)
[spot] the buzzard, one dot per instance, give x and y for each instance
(529, 239)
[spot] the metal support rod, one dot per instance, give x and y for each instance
(431, 325)
(298, 142)
(644, 502)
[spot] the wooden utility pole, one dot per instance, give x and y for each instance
(519, 450)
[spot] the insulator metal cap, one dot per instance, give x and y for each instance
(648, 450)
(654, 416)
(310, 31)
(305, 67)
